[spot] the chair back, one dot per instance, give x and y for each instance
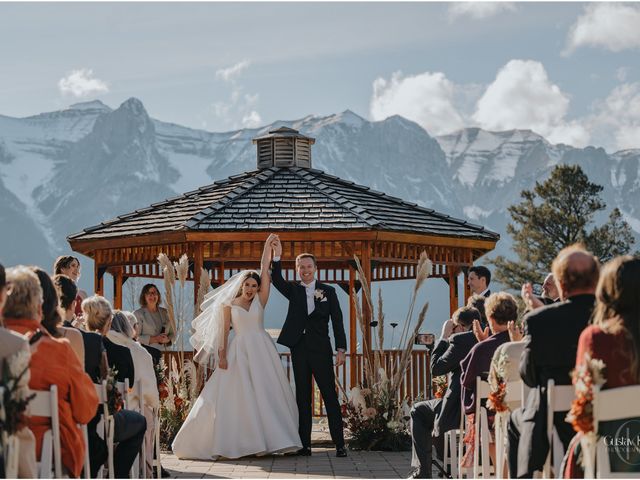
(559, 398)
(45, 404)
(481, 425)
(620, 403)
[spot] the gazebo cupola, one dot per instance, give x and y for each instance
(284, 147)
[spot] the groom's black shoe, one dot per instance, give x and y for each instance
(341, 452)
(304, 452)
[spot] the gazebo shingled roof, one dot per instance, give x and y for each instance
(284, 199)
(222, 227)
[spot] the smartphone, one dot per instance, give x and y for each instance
(427, 339)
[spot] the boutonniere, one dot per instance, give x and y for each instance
(319, 294)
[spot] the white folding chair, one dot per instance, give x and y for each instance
(11, 447)
(559, 398)
(481, 443)
(45, 404)
(613, 404)
(108, 426)
(513, 399)
(139, 466)
(450, 459)
(157, 435)
(87, 461)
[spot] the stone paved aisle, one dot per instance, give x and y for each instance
(322, 464)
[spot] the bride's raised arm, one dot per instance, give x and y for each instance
(265, 276)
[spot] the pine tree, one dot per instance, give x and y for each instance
(555, 214)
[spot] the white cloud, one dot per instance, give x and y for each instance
(81, 83)
(238, 111)
(612, 26)
(523, 97)
(617, 118)
(231, 73)
(479, 10)
(252, 120)
(622, 73)
(426, 98)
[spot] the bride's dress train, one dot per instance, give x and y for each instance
(247, 409)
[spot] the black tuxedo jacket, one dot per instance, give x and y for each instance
(314, 326)
(551, 344)
(445, 359)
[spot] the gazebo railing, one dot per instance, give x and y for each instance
(416, 382)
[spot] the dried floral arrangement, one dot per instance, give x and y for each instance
(374, 414)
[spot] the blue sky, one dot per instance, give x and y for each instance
(569, 71)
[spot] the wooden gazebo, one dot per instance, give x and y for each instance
(222, 227)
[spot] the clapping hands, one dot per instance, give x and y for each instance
(479, 332)
(515, 332)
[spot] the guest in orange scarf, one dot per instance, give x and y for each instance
(53, 362)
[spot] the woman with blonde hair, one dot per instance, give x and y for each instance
(130, 426)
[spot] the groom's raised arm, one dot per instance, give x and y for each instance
(280, 283)
(336, 321)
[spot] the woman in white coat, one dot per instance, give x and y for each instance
(122, 334)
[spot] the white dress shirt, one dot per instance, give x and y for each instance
(311, 292)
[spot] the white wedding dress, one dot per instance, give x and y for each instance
(247, 409)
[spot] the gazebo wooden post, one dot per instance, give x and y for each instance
(353, 329)
(117, 287)
(98, 278)
(467, 290)
(198, 262)
(366, 312)
(453, 289)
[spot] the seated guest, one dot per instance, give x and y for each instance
(130, 426)
(53, 362)
(442, 414)
(551, 342)
(478, 280)
(549, 294)
(15, 352)
(156, 332)
(95, 357)
(70, 266)
(613, 338)
(51, 319)
(134, 324)
(121, 334)
(501, 308)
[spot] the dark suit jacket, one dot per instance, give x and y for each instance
(314, 326)
(93, 348)
(120, 358)
(446, 359)
(551, 344)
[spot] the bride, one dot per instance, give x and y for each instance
(247, 407)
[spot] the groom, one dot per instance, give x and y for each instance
(306, 333)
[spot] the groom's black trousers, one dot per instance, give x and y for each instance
(319, 364)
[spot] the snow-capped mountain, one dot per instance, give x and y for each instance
(66, 170)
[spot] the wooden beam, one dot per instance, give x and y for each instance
(436, 240)
(197, 272)
(88, 245)
(117, 288)
(98, 278)
(453, 290)
(353, 329)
